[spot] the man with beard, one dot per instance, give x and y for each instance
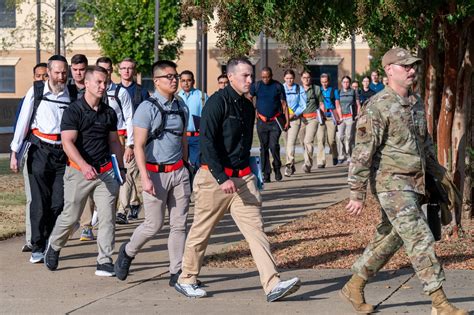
(39, 121)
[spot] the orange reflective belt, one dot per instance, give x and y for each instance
(102, 169)
(192, 133)
(310, 115)
(122, 132)
(265, 119)
(164, 168)
(52, 137)
(347, 115)
(231, 172)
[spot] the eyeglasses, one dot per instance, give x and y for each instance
(170, 77)
(127, 69)
(407, 68)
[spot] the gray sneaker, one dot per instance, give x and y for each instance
(105, 270)
(37, 257)
(284, 288)
(190, 290)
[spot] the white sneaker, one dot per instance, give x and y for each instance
(190, 290)
(36, 257)
(284, 288)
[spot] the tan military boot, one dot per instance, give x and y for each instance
(441, 305)
(353, 292)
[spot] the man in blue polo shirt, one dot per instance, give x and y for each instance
(332, 110)
(376, 85)
(195, 100)
(271, 104)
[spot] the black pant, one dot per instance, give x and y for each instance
(269, 135)
(46, 167)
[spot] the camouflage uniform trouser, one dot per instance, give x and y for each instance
(403, 223)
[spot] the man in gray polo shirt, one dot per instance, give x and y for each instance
(159, 124)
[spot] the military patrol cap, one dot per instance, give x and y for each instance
(399, 56)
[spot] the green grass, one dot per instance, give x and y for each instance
(5, 167)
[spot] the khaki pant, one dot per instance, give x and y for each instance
(128, 195)
(291, 137)
(211, 203)
(311, 129)
(172, 190)
(327, 136)
(77, 189)
(344, 138)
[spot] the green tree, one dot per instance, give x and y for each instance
(125, 28)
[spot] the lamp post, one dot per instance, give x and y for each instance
(57, 28)
(157, 27)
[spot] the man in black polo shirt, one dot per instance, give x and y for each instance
(225, 183)
(89, 134)
(270, 104)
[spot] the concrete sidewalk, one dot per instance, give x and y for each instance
(73, 288)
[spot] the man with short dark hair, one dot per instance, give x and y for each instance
(89, 133)
(46, 161)
(394, 152)
(270, 104)
(161, 151)
(376, 85)
(128, 197)
(222, 81)
(225, 183)
(195, 100)
(79, 64)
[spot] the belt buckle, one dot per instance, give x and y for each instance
(235, 173)
(161, 168)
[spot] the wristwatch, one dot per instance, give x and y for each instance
(131, 146)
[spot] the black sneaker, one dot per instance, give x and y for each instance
(293, 169)
(134, 210)
(105, 270)
(27, 248)
(121, 219)
(122, 264)
(334, 162)
(51, 258)
(321, 166)
(278, 176)
(266, 179)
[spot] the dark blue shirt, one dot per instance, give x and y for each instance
(269, 97)
(376, 87)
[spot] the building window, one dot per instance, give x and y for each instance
(7, 79)
(71, 18)
(316, 72)
(7, 14)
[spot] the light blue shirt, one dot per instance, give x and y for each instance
(296, 98)
(193, 101)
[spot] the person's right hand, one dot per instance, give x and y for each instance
(354, 207)
(228, 187)
(89, 172)
(14, 163)
(147, 185)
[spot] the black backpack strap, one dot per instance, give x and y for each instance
(137, 97)
(332, 96)
(38, 89)
(72, 89)
(158, 132)
(119, 102)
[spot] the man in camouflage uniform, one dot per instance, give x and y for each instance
(394, 152)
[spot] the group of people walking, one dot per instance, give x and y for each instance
(166, 138)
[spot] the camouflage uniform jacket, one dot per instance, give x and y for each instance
(393, 148)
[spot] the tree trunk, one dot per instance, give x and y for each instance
(448, 100)
(468, 189)
(431, 91)
(460, 119)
